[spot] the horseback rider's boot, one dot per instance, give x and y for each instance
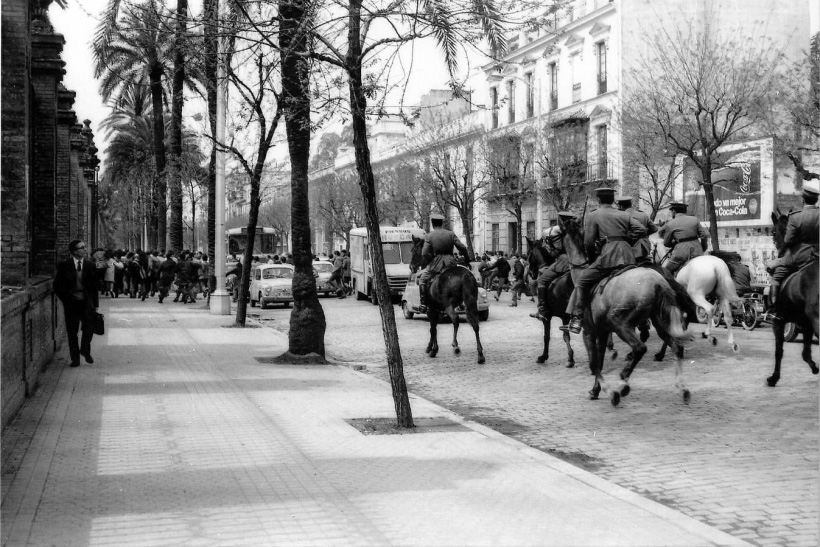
(423, 297)
(576, 321)
(541, 311)
(774, 293)
(574, 325)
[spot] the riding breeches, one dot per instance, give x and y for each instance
(584, 284)
(551, 273)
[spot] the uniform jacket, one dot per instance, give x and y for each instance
(614, 228)
(65, 278)
(684, 227)
(642, 247)
(802, 235)
(438, 248)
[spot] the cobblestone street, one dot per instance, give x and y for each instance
(741, 456)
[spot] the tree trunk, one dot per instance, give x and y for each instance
(358, 103)
(706, 174)
(159, 193)
(247, 257)
(211, 57)
(177, 102)
(307, 320)
(467, 228)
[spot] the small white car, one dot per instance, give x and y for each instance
(411, 301)
(271, 284)
(324, 268)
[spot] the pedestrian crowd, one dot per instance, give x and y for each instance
(155, 273)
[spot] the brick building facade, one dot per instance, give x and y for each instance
(48, 175)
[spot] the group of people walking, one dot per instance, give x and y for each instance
(143, 274)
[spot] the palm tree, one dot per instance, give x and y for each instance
(128, 56)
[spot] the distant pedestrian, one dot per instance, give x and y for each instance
(167, 271)
(502, 270)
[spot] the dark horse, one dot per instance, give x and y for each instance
(798, 302)
(447, 291)
(626, 300)
(557, 293)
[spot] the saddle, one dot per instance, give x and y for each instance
(599, 288)
(556, 280)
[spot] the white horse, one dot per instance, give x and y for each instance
(705, 276)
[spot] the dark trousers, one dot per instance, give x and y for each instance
(76, 313)
(588, 278)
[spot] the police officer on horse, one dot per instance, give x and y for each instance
(609, 234)
(801, 241)
(685, 236)
(438, 254)
(641, 249)
(549, 273)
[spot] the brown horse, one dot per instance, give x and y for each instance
(557, 295)
(624, 302)
(798, 303)
(447, 291)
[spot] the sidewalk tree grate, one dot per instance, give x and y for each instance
(387, 426)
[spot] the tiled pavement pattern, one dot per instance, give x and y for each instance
(741, 456)
(177, 435)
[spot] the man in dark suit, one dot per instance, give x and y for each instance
(75, 284)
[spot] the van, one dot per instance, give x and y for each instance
(397, 248)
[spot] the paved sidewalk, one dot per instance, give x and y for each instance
(179, 435)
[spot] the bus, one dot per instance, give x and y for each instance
(397, 247)
(264, 243)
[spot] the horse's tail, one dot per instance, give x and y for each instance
(726, 285)
(669, 314)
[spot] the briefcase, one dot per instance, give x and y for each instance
(98, 323)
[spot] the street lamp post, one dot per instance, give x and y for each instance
(220, 299)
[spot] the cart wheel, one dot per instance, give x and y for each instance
(749, 319)
(408, 314)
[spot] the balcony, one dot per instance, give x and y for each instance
(583, 173)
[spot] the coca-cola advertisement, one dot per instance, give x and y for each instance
(735, 184)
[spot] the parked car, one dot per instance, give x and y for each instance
(271, 284)
(324, 268)
(411, 301)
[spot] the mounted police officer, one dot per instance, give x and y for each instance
(549, 273)
(438, 253)
(608, 237)
(641, 249)
(684, 235)
(800, 242)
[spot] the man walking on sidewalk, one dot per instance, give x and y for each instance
(75, 284)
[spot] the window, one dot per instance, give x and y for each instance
(601, 50)
(511, 99)
(495, 237)
(553, 73)
(602, 152)
(531, 229)
(494, 106)
(530, 95)
(575, 66)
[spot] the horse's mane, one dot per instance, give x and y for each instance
(780, 220)
(573, 230)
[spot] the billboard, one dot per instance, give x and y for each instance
(736, 185)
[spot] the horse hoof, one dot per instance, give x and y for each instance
(686, 396)
(704, 335)
(713, 340)
(571, 364)
(658, 357)
(456, 350)
(615, 398)
(772, 381)
(625, 390)
(541, 360)
(481, 360)
(735, 348)
(814, 369)
(593, 396)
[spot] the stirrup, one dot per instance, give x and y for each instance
(574, 326)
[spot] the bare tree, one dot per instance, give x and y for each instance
(701, 89)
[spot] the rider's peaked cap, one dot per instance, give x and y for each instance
(678, 206)
(811, 187)
(620, 198)
(566, 214)
(436, 216)
(604, 191)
